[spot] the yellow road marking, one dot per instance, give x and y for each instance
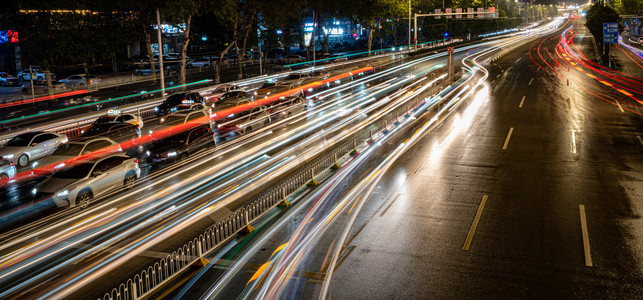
(472, 230)
(583, 225)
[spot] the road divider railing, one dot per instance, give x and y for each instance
(146, 110)
(281, 194)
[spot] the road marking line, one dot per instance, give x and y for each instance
(498, 76)
(619, 106)
(573, 142)
(522, 101)
(390, 204)
(511, 130)
(474, 225)
(493, 81)
(640, 140)
(530, 81)
(583, 225)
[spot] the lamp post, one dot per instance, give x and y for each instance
(409, 26)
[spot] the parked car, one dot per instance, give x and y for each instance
(181, 117)
(290, 59)
(80, 183)
(118, 132)
(75, 149)
(38, 74)
(198, 63)
(181, 145)
(146, 69)
(8, 80)
(170, 104)
(80, 81)
(30, 146)
(40, 87)
(116, 116)
(7, 171)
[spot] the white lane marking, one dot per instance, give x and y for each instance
(583, 225)
(511, 130)
(573, 142)
(619, 106)
(640, 140)
(474, 225)
(522, 101)
(530, 81)
(498, 76)
(492, 82)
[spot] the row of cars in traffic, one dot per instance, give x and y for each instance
(89, 176)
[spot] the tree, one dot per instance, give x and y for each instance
(182, 11)
(596, 16)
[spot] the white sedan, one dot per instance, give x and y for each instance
(30, 146)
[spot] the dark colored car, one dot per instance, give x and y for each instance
(118, 132)
(172, 102)
(180, 146)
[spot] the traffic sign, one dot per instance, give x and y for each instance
(610, 33)
(450, 50)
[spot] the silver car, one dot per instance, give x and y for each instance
(30, 146)
(80, 183)
(7, 171)
(75, 149)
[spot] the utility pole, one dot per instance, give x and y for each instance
(409, 25)
(162, 71)
(314, 44)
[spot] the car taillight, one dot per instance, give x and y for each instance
(11, 164)
(136, 160)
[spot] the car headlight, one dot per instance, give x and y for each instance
(150, 131)
(171, 154)
(156, 109)
(34, 164)
(34, 191)
(60, 165)
(147, 152)
(10, 156)
(63, 193)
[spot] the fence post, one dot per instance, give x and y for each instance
(133, 291)
(284, 201)
(335, 164)
(312, 181)
(247, 228)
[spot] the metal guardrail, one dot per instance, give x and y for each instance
(144, 283)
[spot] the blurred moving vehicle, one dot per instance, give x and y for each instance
(118, 132)
(285, 89)
(80, 81)
(181, 145)
(231, 97)
(80, 183)
(216, 93)
(75, 149)
(7, 171)
(38, 74)
(40, 87)
(286, 107)
(291, 59)
(116, 116)
(30, 146)
(190, 105)
(295, 78)
(8, 80)
(182, 117)
(172, 102)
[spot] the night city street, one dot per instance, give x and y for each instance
(295, 149)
